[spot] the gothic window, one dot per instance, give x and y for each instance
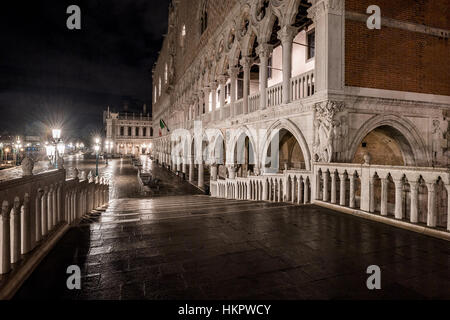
(311, 39)
(122, 131)
(129, 131)
(144, 132)
(204, 18)
(151, 132)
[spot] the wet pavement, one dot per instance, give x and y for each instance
(198, 247)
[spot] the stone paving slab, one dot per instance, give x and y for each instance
(239, 250)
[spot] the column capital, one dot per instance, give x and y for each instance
(222, 79)
(264, 50)
(213, 85)
(287, 33)
(246, 62)
(233, 71)
(321, 7)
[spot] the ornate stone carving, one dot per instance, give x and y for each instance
(324, 129)
(27, 166)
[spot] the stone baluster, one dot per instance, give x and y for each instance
(326, 175)
(15, 231)
(5, 245)
(333, 187)
(300, 190)
(38, 217)
(25, 227)
(50, 209)
(371, 194)
(342, 191)
(264, 190)
(44, 212)
(384, 196)
(414, 214)
(398, 198)
(306, 191)
(352, 190)
(431, 216)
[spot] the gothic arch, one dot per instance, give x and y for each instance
(231, 146)
(294, 130)
(418, 157)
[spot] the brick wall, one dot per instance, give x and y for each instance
(396, 59)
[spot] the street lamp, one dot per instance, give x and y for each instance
(97, 150)
(56, 133)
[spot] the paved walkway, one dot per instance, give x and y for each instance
(197, 247)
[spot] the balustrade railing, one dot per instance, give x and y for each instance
(411, 194)
(253, 102)
(275, 95)
(34, 206)
(302, 86)
(238, 107)
(226, 112)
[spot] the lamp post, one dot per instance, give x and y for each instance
(56, 133)
(97, 150)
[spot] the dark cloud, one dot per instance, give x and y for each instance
(51, 74)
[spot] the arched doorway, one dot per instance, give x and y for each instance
(244, 156)
(284, 152)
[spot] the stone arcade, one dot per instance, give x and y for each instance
(352, 137)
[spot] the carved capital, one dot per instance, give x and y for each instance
(264, 50)
(321, 7)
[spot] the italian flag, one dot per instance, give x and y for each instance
(163, 125)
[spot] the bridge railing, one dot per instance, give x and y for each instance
(35, 206)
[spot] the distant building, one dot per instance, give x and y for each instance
(129, 133)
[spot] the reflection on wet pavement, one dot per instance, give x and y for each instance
(198, 247)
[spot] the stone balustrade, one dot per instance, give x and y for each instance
(34, 206)
(302, 86)
(416, 195)
(291, 186)
(238, 107)
(253, 102)
(275, 95)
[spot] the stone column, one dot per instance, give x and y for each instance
(325, 175)
(184, 166)
(384, 196)
(233, 77)
(201, 177)
(342, 189)
(191, 169)
(333, 187)
(352, 190)
(245, 63)
(50, 209)
(214, 99)
(431, 216)
(222, 82)
(264, 50)
(414, 213)
(15, 231)
(206, 92)
(398, 199)
(286, 36)
(5, 245)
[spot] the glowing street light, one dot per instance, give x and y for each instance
(56, 134)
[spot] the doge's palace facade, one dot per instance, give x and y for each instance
(299, 101)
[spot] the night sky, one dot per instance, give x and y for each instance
(50, 75)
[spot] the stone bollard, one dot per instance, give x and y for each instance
(25, 227)
(83, 175)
